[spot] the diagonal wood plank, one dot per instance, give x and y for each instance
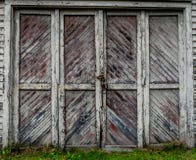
(164, 116)
(35, 117)
(163, 49)
(35, 49)
(80, 118)
(121, 118)
(79, 58)
(121, 49)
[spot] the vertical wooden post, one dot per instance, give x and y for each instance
(139, 82)
(145, 49)
(99, 65)
(61, 94)
(15, 96)
(189, 73)
(55, 74)
(182, 78)
(7, 65)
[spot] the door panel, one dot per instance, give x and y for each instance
(79, 80)
(35, 120)
(164, 116)
(121, 49)
(35, 117)
(80, 118)
(79, 59)
(35, 49)
(164, 56)
(121, 75)
(121, 118)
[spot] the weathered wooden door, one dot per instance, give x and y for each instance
(78, 78)
(121, 70)
(32, 120)
(99, 78)
(164, 105)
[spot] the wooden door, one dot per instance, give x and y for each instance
(78, 78)
(121, 82)
(165, 79)
(99, 79)
(32, 101)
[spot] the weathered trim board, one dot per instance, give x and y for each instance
(186, 83)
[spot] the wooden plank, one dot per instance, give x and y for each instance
(146, 80)
(7, 91)
(55, 74)
(139, 83)
(99, 55)
(103, 65)
(122, 86)
(99, 4)
(35, 86)
(164, 86)
(189, 75)
(69, 87)
(61, 95)
(16, 79)
(182, 80)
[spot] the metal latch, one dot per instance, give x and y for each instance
(103, 82)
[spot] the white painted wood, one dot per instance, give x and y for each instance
(103, 64)
(7, 63)
(139, 83)
(189, 73)
(164, 86)
(61, 95)
(35, 12)
(98, 4)
(182, 79)
(145, 44)
(33, 86)
(122, 86)
(15, 97)
(99, 49)
(74, 12)
(55, 74)
(69, 87)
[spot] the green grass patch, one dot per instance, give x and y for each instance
(168, 152)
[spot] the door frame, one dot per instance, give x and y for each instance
(9, 53)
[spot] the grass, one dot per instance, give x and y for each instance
(168, 152)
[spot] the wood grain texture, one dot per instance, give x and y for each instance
(79, 58)
(80, 119)
(164, 116)
(121, 49)
(163, 39)
(35, 117)
(2, 40)
(121, 118)
(35, 49)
